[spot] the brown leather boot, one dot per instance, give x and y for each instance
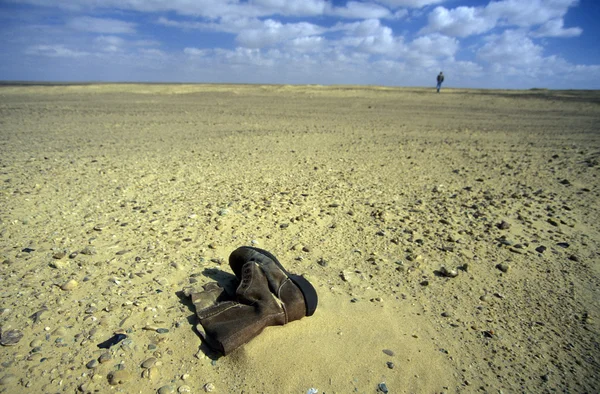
(266, 296)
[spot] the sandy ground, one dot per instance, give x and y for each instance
(113, 198)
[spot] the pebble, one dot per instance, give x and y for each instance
(69, 285)
(209, 387)
(59, 255)
(382, 387)
(104, 357)
(119, 377)
(447, 314)
(389, 352)
(184, 389)
(162, 330)
(150, 373)
(168, 389)
(149, 363)
(8, 379)
(390, 365)
(36, 343)
(92, 364)
(449, 273)
(503, 267)
(88, 251)
(503, 225)
(10, 337)
(540, 249)
(59, 332)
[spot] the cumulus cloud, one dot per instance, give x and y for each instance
(272, 32)
(555, 28)
(459, 22)
(101, 25)
(356, 10)
(466, 21)
(409, 3)
(513, 48)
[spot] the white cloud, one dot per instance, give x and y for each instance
(513, 48)
(101, 25)
(528, 13)
(54, 51)
(466, 21)
(292, 7)
(272, 32)
(409, 3)
(307, 44)
(459, 22)
(196, 52)
(434, 45)
(356, 10)
(555, 28)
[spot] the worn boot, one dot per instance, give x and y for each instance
(294, 291)
(227, 324)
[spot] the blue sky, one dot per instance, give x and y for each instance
(513, 44)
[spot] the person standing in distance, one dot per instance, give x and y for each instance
(440, 79)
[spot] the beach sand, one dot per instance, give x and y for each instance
(114, 198)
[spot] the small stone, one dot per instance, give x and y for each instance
(36, 343)
(540, 249)
(553, 222)
(8, 379)
(59, 332)
(73, 255)
(382, 388)
(209, 387)
(503, 267)
(574, 258)
(347, 276)
(449, 273)
(503, 225)
(424, 283)
(389, 352)
(92, 364)
(10, 337)
(484, 298)
(185, 376)
(168, 389)
(390, 365)
(162, 330)
(59, 255)
(149, 363)
(104, 357)
(447, 314)
(184, 389)
(306, 249)
(150, 373)
(119, 377)
(88, 251)
(69, 285)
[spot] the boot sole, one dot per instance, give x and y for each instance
(308, 291)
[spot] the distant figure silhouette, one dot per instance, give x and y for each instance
(440, 79)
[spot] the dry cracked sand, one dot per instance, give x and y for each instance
(453, 238)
